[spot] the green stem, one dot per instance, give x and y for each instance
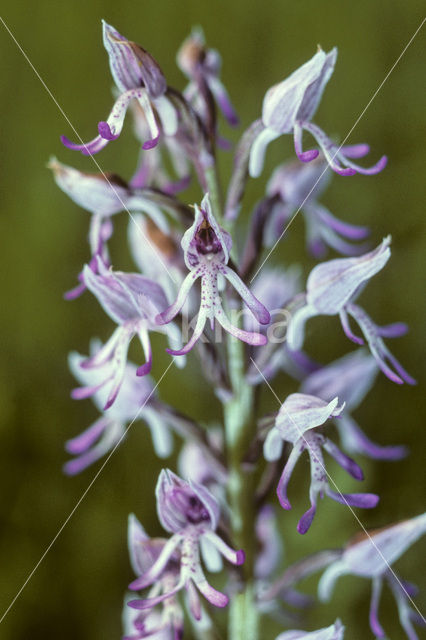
(240, 428)
(212, 181)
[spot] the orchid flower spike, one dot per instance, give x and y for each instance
(202, 67)
(332, 288)
(206, 249)
(350, 378)
(148, 623)
(191, 514)
(289, 107)
(137, 77)
(136, 400)
(298, 187)
(371, 556)
(334, 632)
(133, 302)
(296, 423)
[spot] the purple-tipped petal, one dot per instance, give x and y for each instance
(394, 330)
(375, 625)
(306, 520)
(347, 328)
(329, 149)
(84, 440)
(88, 148)
(361, 500)
(255, 306)
(253, 338)
(356, 150)
(304, 156)
(150, 144)
(343, 460)
(234, 557)
(286, 475)
(105, 131)
(215, 597)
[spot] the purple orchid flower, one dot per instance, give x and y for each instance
(191, 513)
(202, 67)
(136, 400)
(331, 288)
(133, 302)
(206, 249)
(298, 188)
(371, 557)
(350, 378)
(138, 77)
(334, 632)
(289, 107)
(149, 623)
(105, 195)
(295, 423)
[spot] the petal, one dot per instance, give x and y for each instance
(87, 149)
(253, 338)
(329, 149)
(169, 313)
(286, 474)
(351, 231)
(210, 555)
(87, 438)
(144, 369)
(304, 156)
(255, 306)
(361, 500)
(234, 557)
(160, 432)
(296, 328)
(223, 99)
(300, 413)
(215, 597)
(375, 625)
(258, 150)
(378, 348)
(354, 440)
(329, 578)
(373, 555)
(306, 520)
(131, 66)
(198, 330)
(273, 445)
(331, 284)
(149, 603)
(94, 192)
(343, 460)
(350, 378)
(152, 574)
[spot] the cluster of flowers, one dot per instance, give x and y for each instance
(175, 245)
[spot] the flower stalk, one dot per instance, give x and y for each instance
(240, 429)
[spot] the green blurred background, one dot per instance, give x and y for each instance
(77, 591)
